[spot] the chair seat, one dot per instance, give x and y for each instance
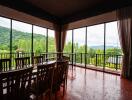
(40, 87)
(16, 84)
(22, 95)
(56, 87)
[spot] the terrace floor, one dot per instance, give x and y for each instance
(100, 68)
(94, 85)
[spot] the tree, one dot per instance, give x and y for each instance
(114, 51)
(92, 52)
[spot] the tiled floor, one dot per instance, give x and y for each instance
(93, 85)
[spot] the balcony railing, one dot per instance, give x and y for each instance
(107, 61)
(99, 60)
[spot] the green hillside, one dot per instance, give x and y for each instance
(22, 40)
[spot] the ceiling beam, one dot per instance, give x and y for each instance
(96, 10)
(25, 7)
(28, 8)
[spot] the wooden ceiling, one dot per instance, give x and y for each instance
(65, 11)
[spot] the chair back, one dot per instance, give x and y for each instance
(66, 58)
(60, 74)
(62, 70)
(5, 64)
(15, 85)
(45, 76)
(38, 59)
(44, 56)
(22, 62)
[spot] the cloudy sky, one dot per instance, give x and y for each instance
(95, 34)
(24, 27)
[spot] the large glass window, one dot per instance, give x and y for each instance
(51, 41)
(79, 40)
(79, 44)
(21, 37)
(113, 50)
(68, 45)
(4, 36)
(21, 44)
(68, 42)
(95, 43)
(39, 39)
(112, 39)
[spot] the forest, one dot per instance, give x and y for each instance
(21, 42)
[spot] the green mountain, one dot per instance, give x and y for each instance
(22, 40)
(5, 35)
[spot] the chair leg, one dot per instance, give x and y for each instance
(50, 95)
(41, 96)
(64, 89)
(37, 97)
(55, 96)
(66, 83)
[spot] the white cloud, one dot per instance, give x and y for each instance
(4, 22)
(20, 26)
(95, 35)
(39, 30)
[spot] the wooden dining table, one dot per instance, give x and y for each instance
(44, 63)
(34, 72)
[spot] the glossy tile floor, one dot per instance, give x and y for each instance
(93, 85)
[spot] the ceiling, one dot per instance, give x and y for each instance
(65, 11)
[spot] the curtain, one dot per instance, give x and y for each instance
(63, 36)
(124, 17)
(57, 36)
(57, 40)
(60, 36)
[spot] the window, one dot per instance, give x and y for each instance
(79, 44)
(112, 39)
(95, 43)
(68, 42)
(21, 37)
(4, 36)
(51, 41)
(39, 39)
(79, 40)
(113, 50)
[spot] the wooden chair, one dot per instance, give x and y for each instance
(15, 85)
(22, 62)
(60, 76)
(5, 64)
(43, 83)
(44, 56)
(66, 58)
(38, 59)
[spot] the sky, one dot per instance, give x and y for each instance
(24, 27)
(95, 33)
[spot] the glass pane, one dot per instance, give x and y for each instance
(112, 39)
(39, 39)
(95, 44)
(21, 37)
(4, 37)
(68, 45)
(79, 40)
(51, 41)
(113, 48)
(68, 42)
(79, 44)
